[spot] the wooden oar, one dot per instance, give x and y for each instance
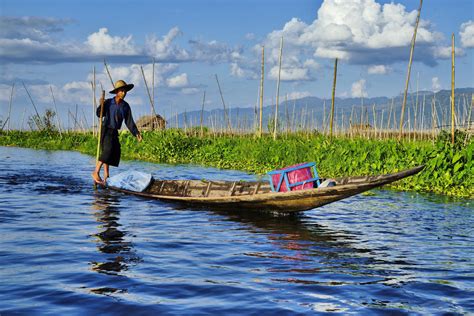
(102, 99)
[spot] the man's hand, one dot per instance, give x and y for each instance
(139, 137)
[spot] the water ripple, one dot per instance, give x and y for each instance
(69, 249)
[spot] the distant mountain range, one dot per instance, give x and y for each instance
(314, 113)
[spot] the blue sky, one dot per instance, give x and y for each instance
(57, 43)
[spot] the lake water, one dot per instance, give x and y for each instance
(66, 248)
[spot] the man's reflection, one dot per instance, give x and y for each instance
(110, 240)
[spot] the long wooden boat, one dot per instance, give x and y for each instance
(243, 195)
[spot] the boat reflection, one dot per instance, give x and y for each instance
(315, 254)
(111, 240)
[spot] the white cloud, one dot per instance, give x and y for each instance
(379, 70)
(358, 89)
(435, 84)
(289, 74)
(101, 43)
(311, 64)
(368, 24)
(250, 36)
(76, 86)
(31, 27)
(359, 31)
(130, 74)
(325, 52)
(467, 34)
(236, 71)
(162, 72)
(80, 92)
(214, 51)
(446, 51)
(163, 49)
(133, 74)
(29, 50)
(190, 90)
(342, 94)
(298, 95)
(178, 81)
(5, 92)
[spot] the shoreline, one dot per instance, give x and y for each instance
(449, 170)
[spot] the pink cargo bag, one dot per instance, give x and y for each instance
(296, 177)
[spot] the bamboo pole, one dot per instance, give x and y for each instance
(374, 119)
(342, 132)
(4, 123)
(394, 117)
(38, 121)
(226, 117)
(102, 99)
(409, 123)
(10, 107)
(287, 114)
(381, 126)
(470, 111)
(23, 118)
(466, 107)
(278, 91)
(409, 71)
(153, 87)
(423, 113)
(254, 128)
(458, 113)
(56, 109)
(185, 122)
(108, 73)
(94, 104)
(93, 107)
(202, 110)
(389, 115)
(293, 127)
(260, 128)
(351, 119)
(324, 116)
(433, 117)
(415, 121)
(333, 97)
(153, 113)
(453, 125)
(76, 119)
(84, 124)
(76, 123)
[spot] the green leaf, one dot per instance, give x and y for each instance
(457, 157)
(457, 166)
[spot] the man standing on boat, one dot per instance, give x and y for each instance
(115, 111)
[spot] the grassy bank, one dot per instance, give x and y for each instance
(449, 168)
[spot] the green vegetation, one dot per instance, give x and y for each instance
(449, 168)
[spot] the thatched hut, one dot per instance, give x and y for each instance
(151, 123)
(361, 127)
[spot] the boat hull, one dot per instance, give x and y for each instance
(246, 195)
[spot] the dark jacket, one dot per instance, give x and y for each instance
(115, 114)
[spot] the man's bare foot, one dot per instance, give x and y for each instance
(97, 178)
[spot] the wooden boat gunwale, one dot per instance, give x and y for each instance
(345, 187)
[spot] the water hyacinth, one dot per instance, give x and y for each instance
(449, 168)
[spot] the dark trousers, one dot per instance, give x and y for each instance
(110, 147)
